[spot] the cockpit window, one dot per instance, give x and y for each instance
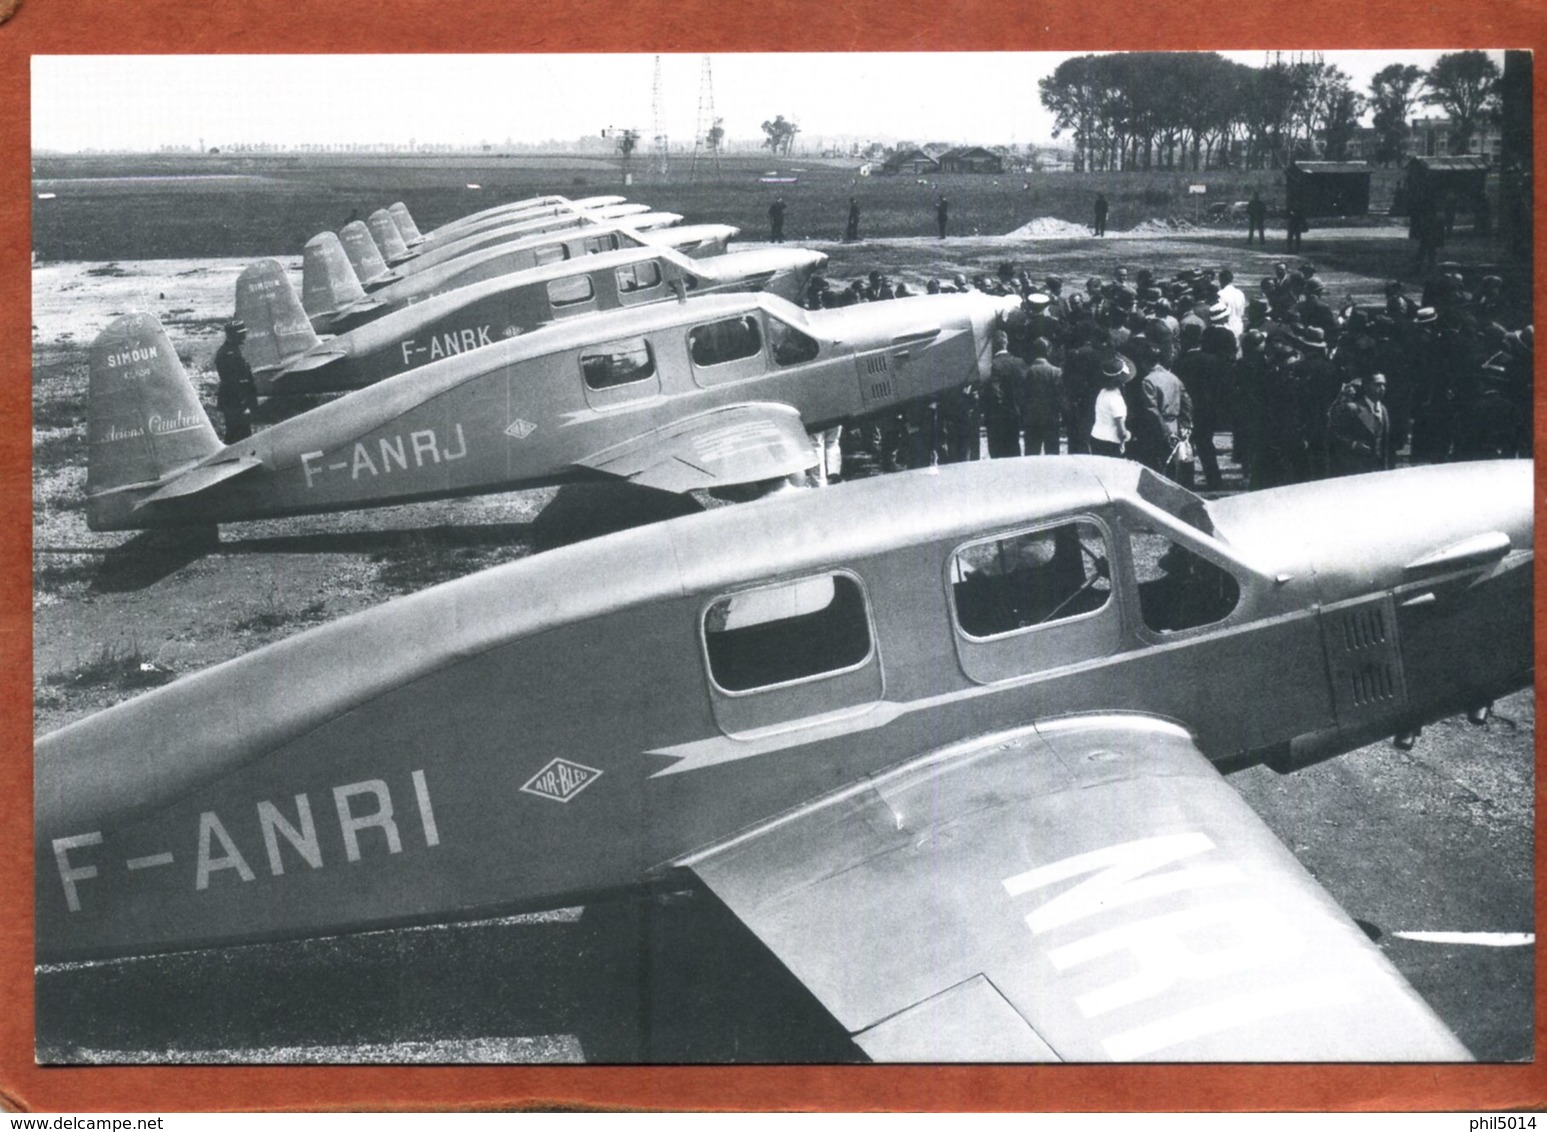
(568, 292)
(790, 346)
(617, 363)
(1031, 579)
(1175, 500)
(552, 253)
(725, 341)
(1177, 588)
(595, 245)
(639, 276)
(787, 632)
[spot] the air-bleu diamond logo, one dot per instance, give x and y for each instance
(520, 429)
(561, 780)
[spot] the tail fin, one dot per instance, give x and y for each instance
(388, 238)
(328, 281)
(405, 223)
(277, 326)
(363, 254)
(144, 420)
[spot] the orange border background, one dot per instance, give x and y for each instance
(298, 26)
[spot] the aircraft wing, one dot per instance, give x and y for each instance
(1089, 889)
(730, 445)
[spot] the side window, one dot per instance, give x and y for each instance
(790, 346)
(787, 632)
(552, 253)
(617, 363)
(595, 245)
(1177, 588)
(1025, 580)
(568, 292)
(639, 276)
(724, 341)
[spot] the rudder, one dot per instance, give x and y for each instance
(405, 223)
(144, 420)
(385, 232)
(277, 327)
(364, 255)
(328, 281)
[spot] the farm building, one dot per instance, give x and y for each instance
(1327, 188)
(971, 159)
(1435, 178)
(913, 161)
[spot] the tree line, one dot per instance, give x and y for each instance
(1179, 110)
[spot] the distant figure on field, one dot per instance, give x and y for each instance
(851, 230)
(776, 221)
(1256, 219)
(1297, 227)
(1101, 214)
(942, 214)
(237, 397)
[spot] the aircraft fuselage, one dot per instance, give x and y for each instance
(583, 719)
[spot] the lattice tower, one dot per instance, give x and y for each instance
(658, 131)
(706, 122)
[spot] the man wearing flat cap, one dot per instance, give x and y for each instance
(237, 397)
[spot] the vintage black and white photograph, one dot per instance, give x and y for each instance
(783, 558)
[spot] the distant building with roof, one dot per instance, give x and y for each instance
(914, 161)
(971, 159)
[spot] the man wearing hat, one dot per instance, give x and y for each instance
(237, 397)
(1161, 411)
(1314, 310)
(1281, 458)
(1359, 430)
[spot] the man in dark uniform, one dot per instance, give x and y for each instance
(942, 214)
(776, 221)
(1101, 214)
(237, 397)
(1256, 219)
(851, 230)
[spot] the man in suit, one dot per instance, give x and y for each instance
(1359, 430)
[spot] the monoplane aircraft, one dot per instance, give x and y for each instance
(532, 206)
(948, 742)
(335, 300)
(710, 393)
(370, 263)
(287, 357)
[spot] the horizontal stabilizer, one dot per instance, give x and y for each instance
(316, 360)
(734, 445)
(201, 478)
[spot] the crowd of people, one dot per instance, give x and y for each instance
(1155, 369)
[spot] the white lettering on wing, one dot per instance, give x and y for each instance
(1121, 877)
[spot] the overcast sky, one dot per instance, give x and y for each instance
(142, 102)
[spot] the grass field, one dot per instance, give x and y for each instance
(174, 206)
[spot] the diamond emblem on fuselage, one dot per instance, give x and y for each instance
(561, 780)
(520, 429)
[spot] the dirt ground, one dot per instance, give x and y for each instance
(1437, 838)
